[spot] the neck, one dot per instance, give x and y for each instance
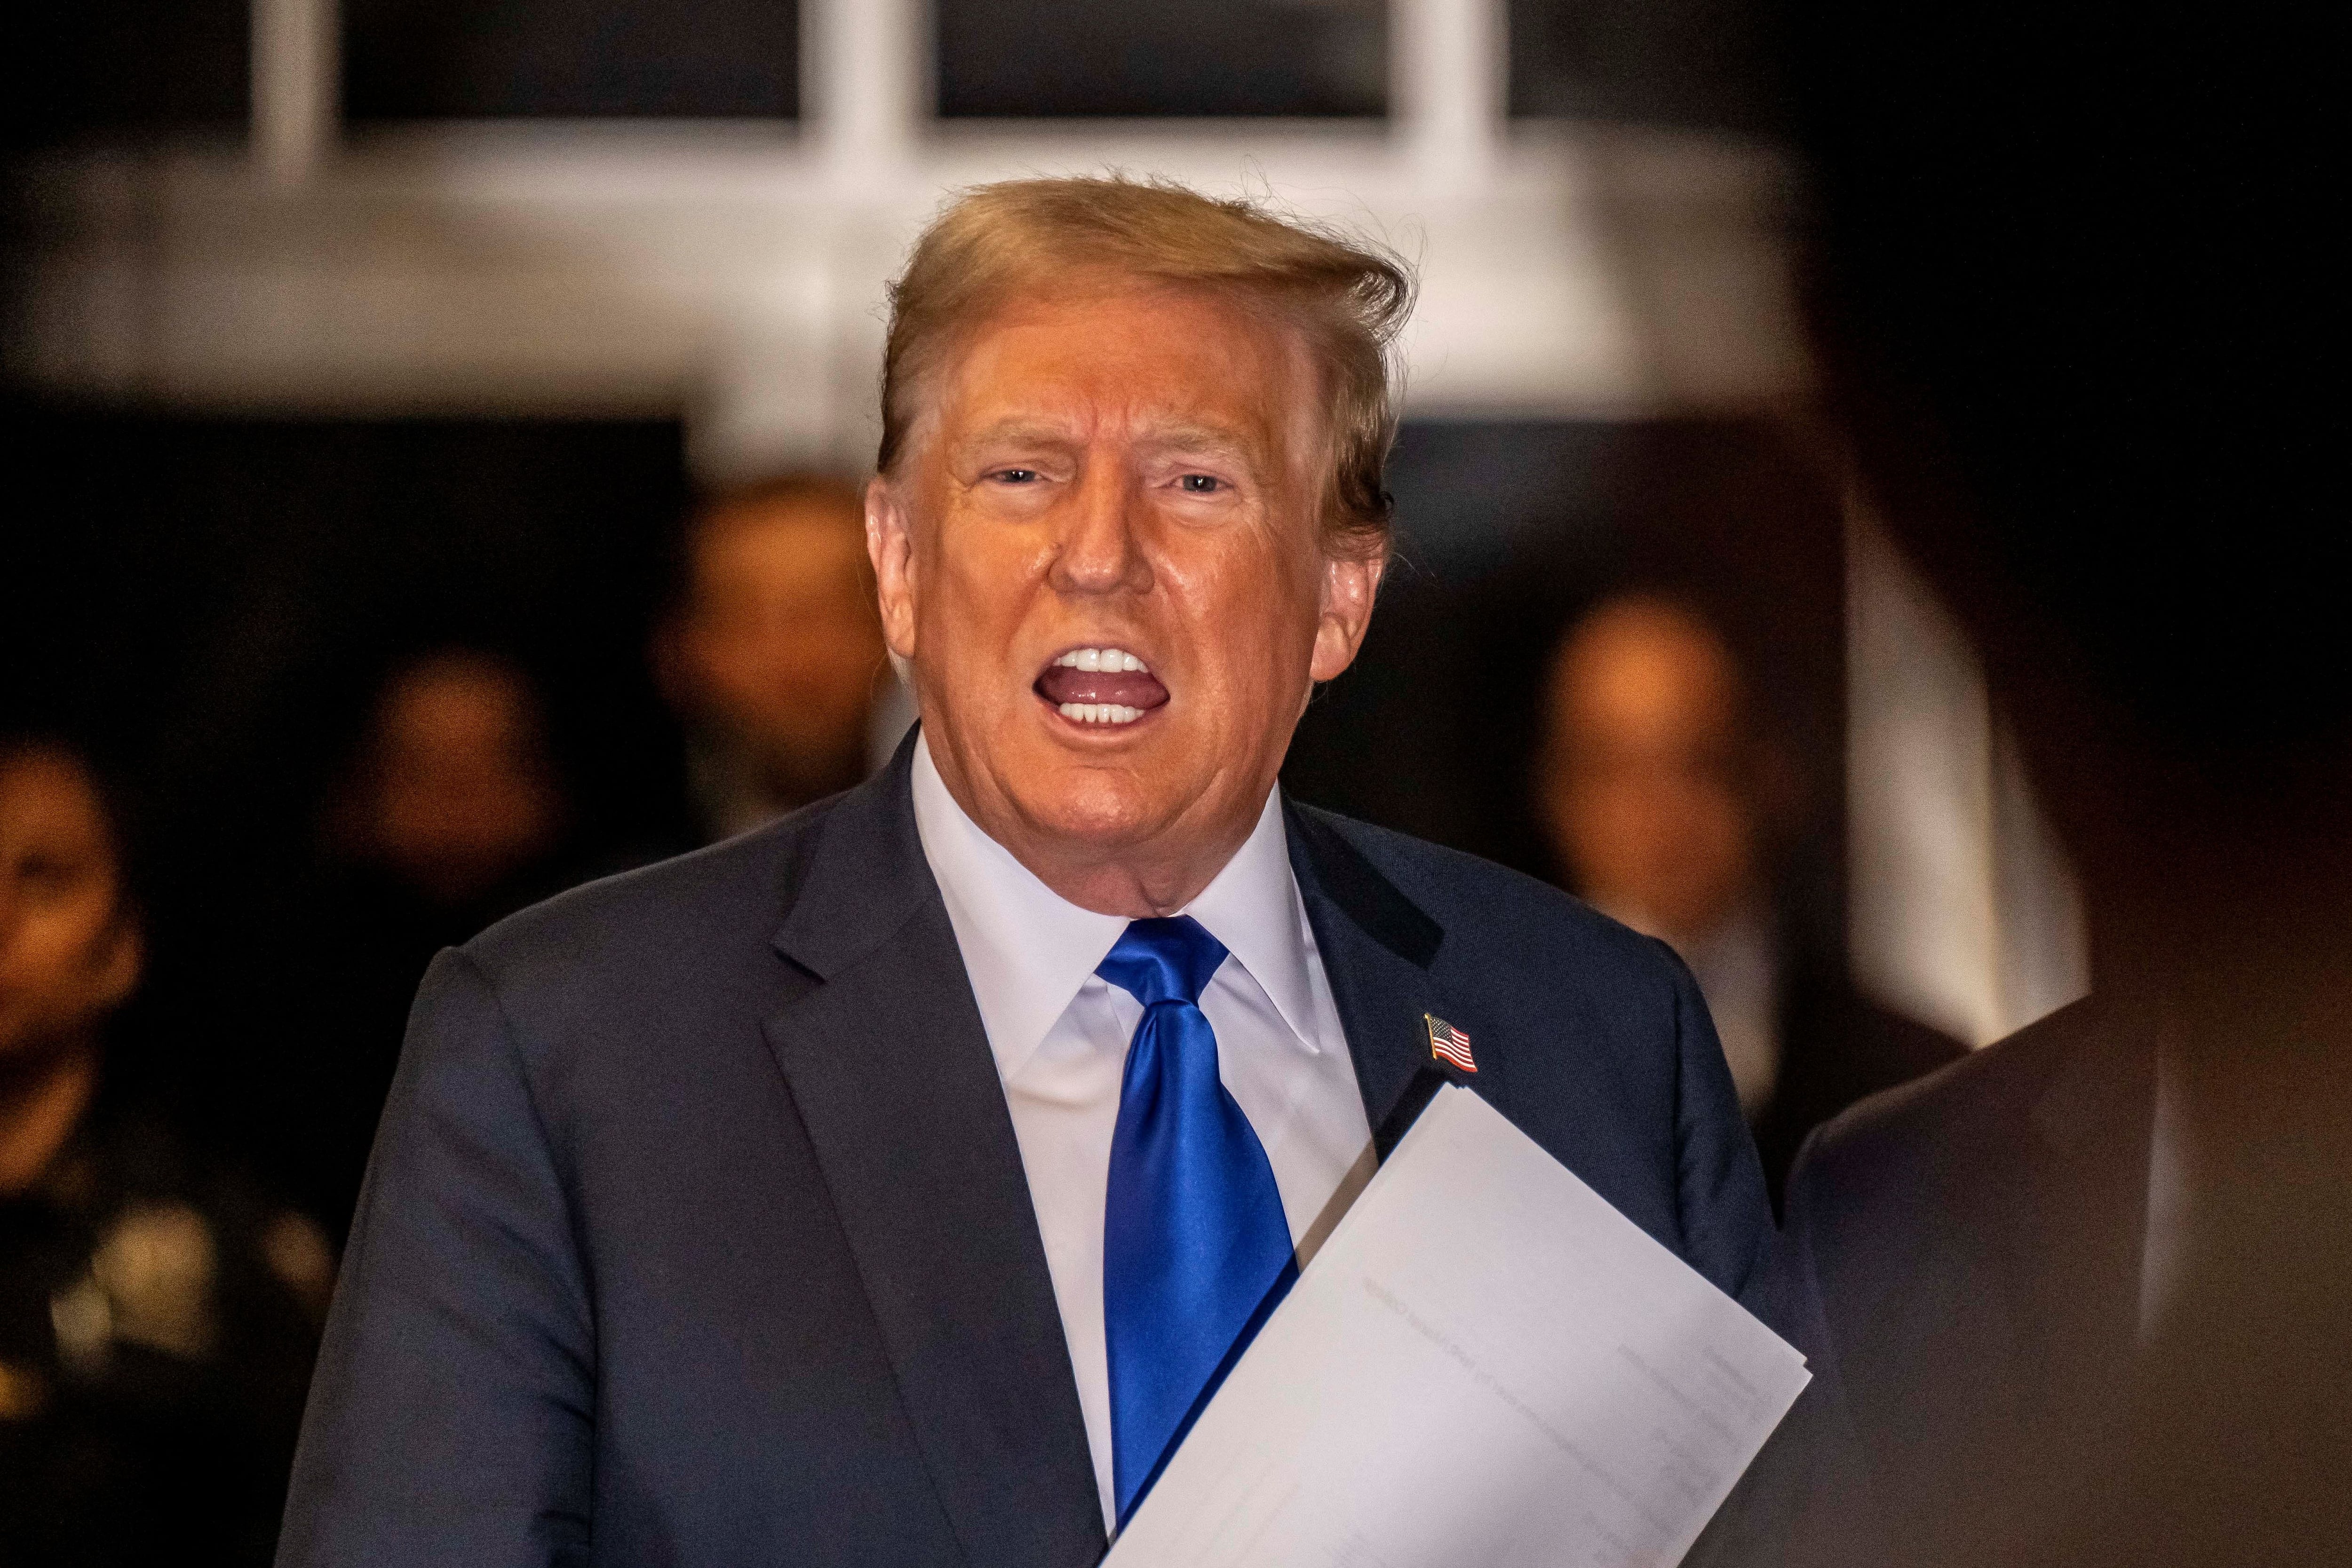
(1136, 878)
(42, 1099)
(1140, 886)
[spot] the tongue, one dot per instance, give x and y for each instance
(1130, 688)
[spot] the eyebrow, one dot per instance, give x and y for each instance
(1209, 440)
(1201, 438)
(1215, 441)
(1019, 432)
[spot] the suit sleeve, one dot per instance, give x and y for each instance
(450, 1419)
(1726, 1221)
(1830, 1520)
(1802, 1502)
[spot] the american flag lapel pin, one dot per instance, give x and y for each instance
(1447, 1044)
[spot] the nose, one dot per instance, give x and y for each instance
(1100, 550)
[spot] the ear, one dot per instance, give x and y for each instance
(1350, 586)
(890, 546)
(125, 961)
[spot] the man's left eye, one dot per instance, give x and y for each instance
(1201, 484)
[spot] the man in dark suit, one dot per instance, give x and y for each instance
(1966, 1262)
(890, 1186)
(2080, 1298)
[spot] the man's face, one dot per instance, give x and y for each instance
(461, 795)
(1101, 556)
(1645, 794)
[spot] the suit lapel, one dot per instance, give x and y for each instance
(1376, 947)
(889, 1067)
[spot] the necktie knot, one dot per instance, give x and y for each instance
(1168, 960)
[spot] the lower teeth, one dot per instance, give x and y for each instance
(1100, 713)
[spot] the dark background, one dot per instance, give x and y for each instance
(116, 67)
(211, 604)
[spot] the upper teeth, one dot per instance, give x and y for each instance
(1110, 659)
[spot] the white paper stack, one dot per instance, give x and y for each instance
(1486, 1364)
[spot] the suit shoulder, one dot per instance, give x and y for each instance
(1493, 904)
(684, 915)
(1962, 1109)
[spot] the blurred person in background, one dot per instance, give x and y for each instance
(447, 817)
(1659, 798)
(2086, 1296)
(453, 800)
(773, 657)
(157, 1316)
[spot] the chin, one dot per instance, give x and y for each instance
(1096, 806)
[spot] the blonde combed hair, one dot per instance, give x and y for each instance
(1348, 297)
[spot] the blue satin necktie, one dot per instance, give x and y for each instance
(1196, 1250)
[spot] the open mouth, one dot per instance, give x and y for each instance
(1107, 686)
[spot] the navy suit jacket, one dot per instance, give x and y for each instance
(696, 1231)
(1961, 1266)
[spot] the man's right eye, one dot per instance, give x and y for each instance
(1015, 475)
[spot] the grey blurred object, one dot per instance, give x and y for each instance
(2081, 1297)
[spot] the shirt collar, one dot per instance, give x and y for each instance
(1028, 950)
(1254, 909)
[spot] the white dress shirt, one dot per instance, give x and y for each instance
(1060, 1036)
(1738, 975)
